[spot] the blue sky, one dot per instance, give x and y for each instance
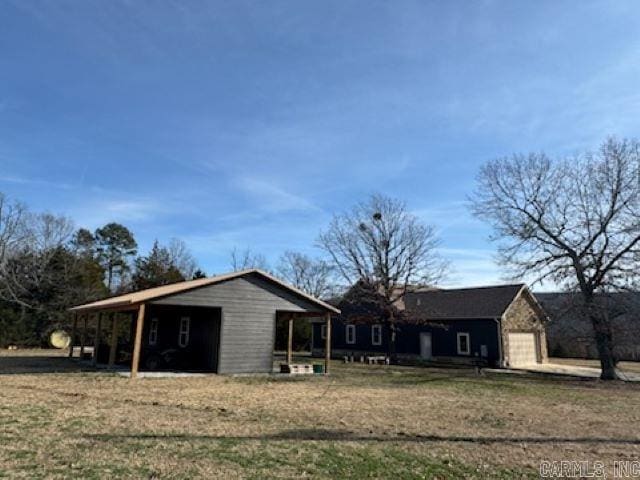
(248, 124)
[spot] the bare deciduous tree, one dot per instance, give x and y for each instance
(309, 275)
(574, 222)
(12, 223)
(246, 259)
(380, 246)
(13, 234)
(34, 239)
(182, 258)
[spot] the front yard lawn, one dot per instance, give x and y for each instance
(361, 422)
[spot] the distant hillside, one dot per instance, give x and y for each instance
(570, 334)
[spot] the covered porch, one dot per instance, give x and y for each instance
(284, 357)
(223, 324)
(119, 328)
(150, 337)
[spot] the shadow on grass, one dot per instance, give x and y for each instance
(393, 381)
(39, 364)
(348, 436)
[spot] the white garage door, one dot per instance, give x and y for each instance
(522, 349)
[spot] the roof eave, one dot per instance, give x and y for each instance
(439, 319)
(115, 306)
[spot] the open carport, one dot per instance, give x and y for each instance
(222, 324)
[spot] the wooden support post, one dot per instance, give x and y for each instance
(83, 335)
(113, 344)
(290, 341)
(327, 346)
(73, 334)
(96, 340)
(137, 344)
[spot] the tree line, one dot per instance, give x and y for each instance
(46, 266)
(572, 221)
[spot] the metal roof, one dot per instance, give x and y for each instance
(130, 300)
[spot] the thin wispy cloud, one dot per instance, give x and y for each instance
(471, 267)
(35, 182)
(130, 210)
(96, 213)
(268, 196)
(447, 216)
(249, 125)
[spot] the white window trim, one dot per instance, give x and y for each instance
(323, 332)
(459, 336)
(153, 331)
(185, 327)
(376, 328)
(350, 331)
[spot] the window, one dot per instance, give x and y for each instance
(153, 331)
(183, 334)
(323, 332)
(376, 335)
(351, 333)
(464, 344)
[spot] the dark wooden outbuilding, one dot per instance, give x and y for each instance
(222, 324)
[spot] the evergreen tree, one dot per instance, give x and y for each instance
(155, 269)
(198, 274)
(115, 246)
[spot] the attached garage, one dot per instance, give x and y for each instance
(523, 349)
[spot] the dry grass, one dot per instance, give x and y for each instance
(362, 422)
(624, 367)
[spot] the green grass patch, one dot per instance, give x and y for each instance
(272, 459)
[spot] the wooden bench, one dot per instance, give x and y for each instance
(379, 359)
(370, 359)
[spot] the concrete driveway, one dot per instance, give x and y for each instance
(564, 369)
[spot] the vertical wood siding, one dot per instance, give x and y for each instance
(249, 305)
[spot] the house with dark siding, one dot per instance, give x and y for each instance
(503, 326)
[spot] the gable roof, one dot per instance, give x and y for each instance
(460, 303)
(141, 296)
